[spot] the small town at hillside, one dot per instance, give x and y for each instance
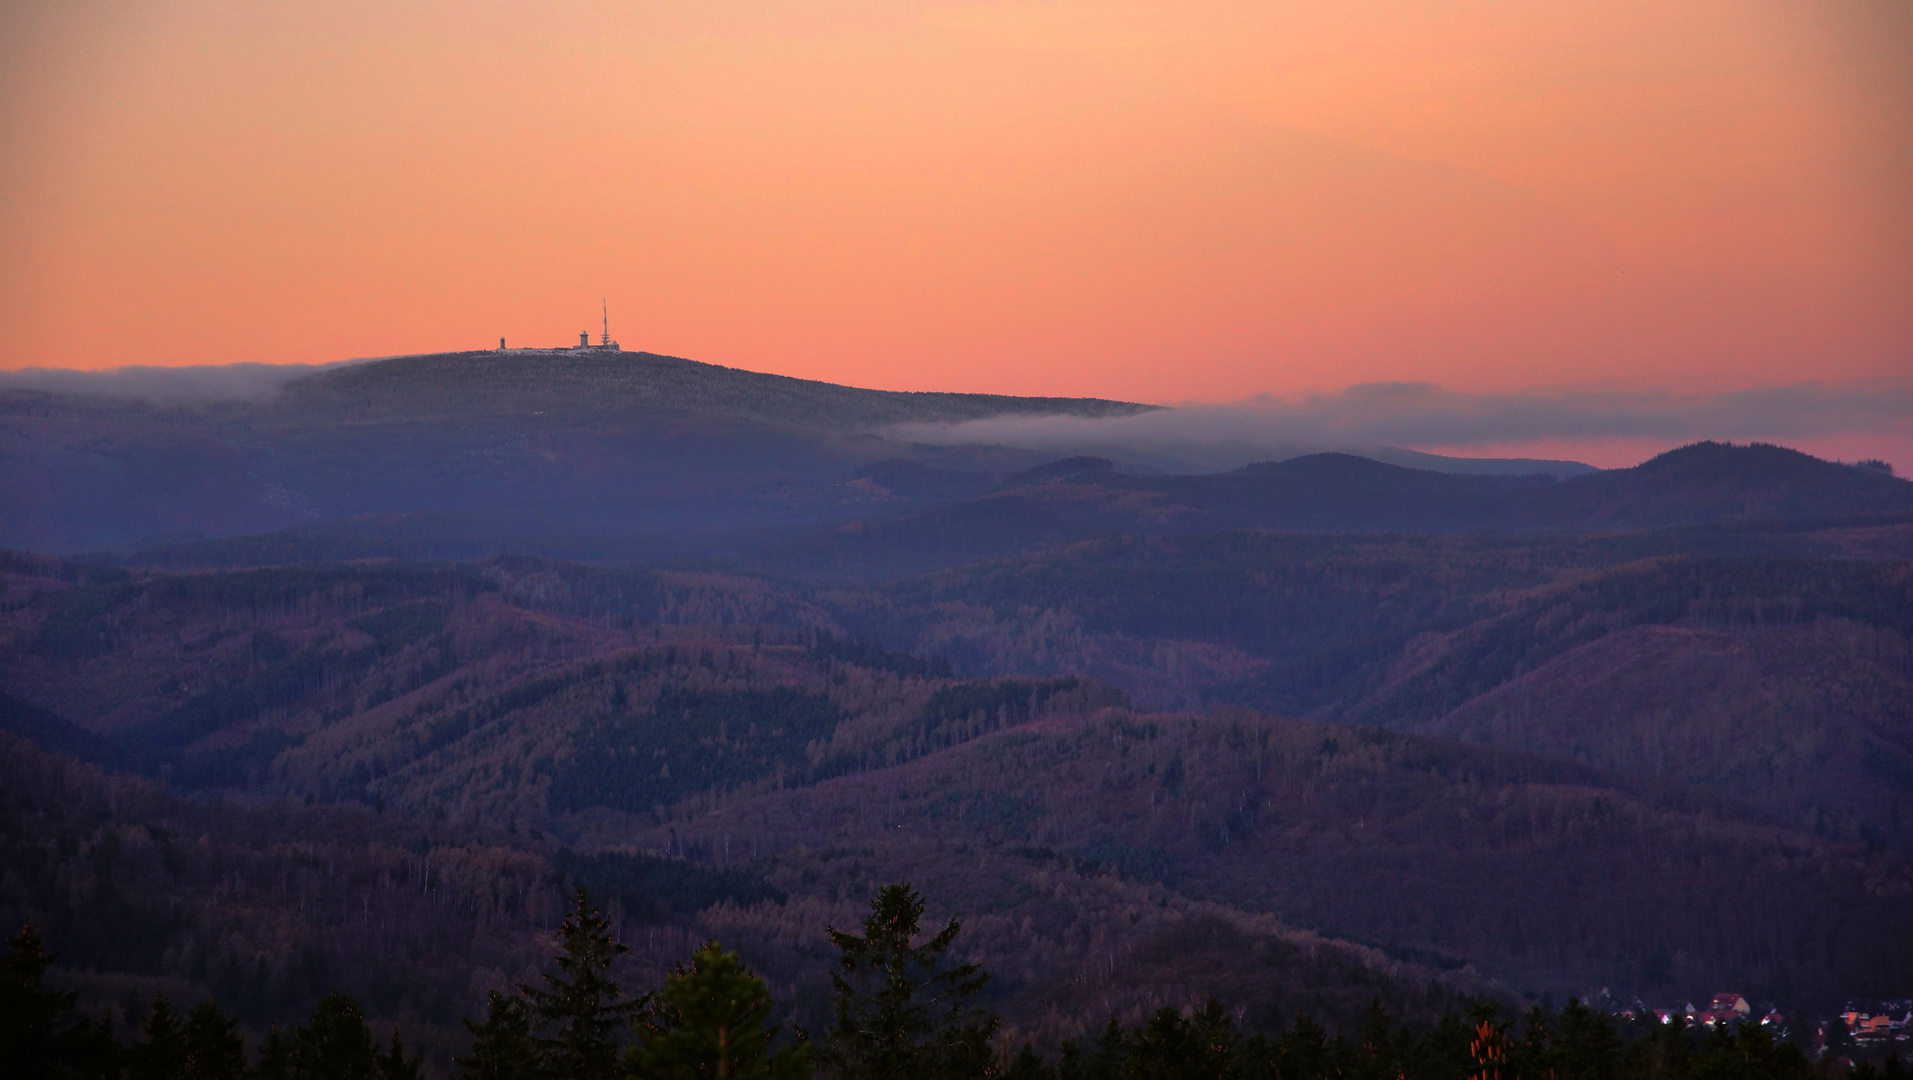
(1876, 1024)
(1863, 1027)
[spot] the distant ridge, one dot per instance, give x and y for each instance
(597, 453)
(595, 380)
(1080, 499)
(493, 445)
(1718, 481)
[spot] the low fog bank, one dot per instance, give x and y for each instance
(1378, 419)
(166, 385)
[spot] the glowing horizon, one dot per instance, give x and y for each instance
(1207, 203)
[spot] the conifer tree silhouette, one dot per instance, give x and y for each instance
(162, 1055)
(710, 1021)
(588, 1011)
(904, 1009)
(41, 1031)
(502, 1046)
(394, 1065)
(275, 1056)
(214, 1048)
(335, 1044)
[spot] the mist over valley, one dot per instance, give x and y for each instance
(733, 651)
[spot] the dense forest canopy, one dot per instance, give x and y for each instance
(1368, 791)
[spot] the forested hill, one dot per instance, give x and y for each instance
(503, 446)
(1783, 678)
(1706, 484)
(900, 515)
(589, 722)
(609, 456)
(607, 382)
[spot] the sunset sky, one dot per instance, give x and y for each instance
(1189, 202)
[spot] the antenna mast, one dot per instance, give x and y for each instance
(605, 309)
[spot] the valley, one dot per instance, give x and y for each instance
(1298, 737)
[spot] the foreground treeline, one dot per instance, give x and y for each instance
(903, 1009)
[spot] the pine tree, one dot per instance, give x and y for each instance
(1303, 1050)
(1745, 1049)
(275, 1057)
(335, 1044)
(31, 1014)
(502, 1046)
(1380, 1047)
(1171, 1047)
(41, 1030)
(1028, 1065)
(393, 1064)
(1539, 1053)
(1488, 1050)
(581, 1001)
(214, 1048)
(1107, 1059)
(1590, 1047)
(162, 1056)
(1448, 1049)
(709, 1021)
(1663, 1052)
(903, 1009)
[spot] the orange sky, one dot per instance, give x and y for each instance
(1169, 202)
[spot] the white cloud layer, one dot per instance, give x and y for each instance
(165, 385)
(1422, 415)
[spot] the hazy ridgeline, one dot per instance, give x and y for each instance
(618, 456)
(365, 676)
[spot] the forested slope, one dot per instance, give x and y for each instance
(584, 720)
(1085, 498)
(1541, 872)
(546, 445)
(1485, 637)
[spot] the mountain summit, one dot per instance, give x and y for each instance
(603, 381)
